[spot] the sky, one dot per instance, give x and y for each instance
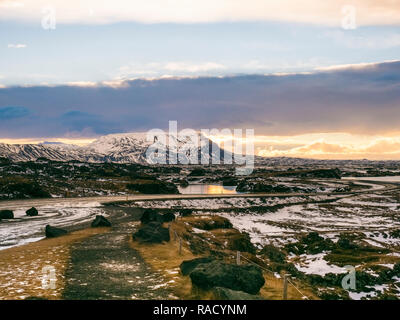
(313, 78)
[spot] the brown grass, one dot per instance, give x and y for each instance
(165, 259)
(21, 267)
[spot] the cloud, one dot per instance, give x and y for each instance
(327, 12)
(193, 68)
(355, 147)
(364, 41)
(8, 113)
(172, 68)
(357, 99)
(10, 4)
(322, 147)
(81, 122)
(17, 46)
(383, 146)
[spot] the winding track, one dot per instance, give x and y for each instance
(13, 204)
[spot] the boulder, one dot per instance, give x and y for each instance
(197, 172)
(32, 212)
(211, 223)
(169, 216)
(150, 215)
(183, 183)
(152, 232)
(185, 212)
(188, 266)
(229, 181)
(395, 234)
(52, 232)
(228, 294)
(100, 221)
(247, 278)
(273, 254)
(6, 214)
(240, 241)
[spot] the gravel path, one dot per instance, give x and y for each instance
(105, 267)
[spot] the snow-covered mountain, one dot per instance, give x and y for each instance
(121, 148)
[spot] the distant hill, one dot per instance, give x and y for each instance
(119, 148)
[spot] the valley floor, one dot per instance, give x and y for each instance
(311, 235)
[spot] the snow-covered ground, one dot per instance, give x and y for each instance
(23, 229)
(228, 203)
(315, 264)
(373, 215)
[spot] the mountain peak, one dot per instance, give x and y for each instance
(120, 148)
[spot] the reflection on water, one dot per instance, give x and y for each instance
(207, 189)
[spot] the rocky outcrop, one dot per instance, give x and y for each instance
(197, 172)
(32, 212)
(152, 232)
(247, 278)
(153, 187)
(23, 190)
(267, 187)
(211, 223)
(185, 212)
(228, 294)
(312, 243)
(150, 215)
(168, 217)
(100, 221)
(188, 266)
(52, 232)
(6, 214)
(273, 254)
(229, 181)
(239, 241)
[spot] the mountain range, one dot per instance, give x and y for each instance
(134, 148)
(120, 148)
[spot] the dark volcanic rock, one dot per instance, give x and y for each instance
(32, 212)
(52, 232)
(152, 232)
(228, 294)
(154, 187)
(23, 190)
(100, 221)
(167, 217)
(273, 254)
(150, 215)
(254, 187)
(395, 233)
(211, 223)
(188, 266)
(198, 172)
(312, 243)
(229, 181)
(183, 183)
(6, 214)
(247, 278)
(185, 212)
